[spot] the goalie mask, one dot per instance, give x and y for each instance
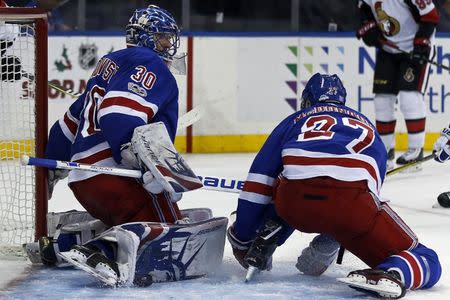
(154, 28)
(323, 89)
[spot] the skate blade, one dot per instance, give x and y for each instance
(110, 281)
(385, 291)
(251, 272)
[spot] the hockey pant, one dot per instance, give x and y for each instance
(348, 212)
(117, 200)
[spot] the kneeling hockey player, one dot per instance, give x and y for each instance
(321, 171)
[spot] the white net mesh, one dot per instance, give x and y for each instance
(17, 133)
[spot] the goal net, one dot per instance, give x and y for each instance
(23, 126)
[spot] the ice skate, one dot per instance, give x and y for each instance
(378, 283)
(79, 253)
(94, 263)
(412, 155)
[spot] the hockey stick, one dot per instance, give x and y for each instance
(190, 117)
(409, 165)
(55, 86)
(64, 90)
(213, 183)
(394, 46)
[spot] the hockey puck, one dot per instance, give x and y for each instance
(444, 199)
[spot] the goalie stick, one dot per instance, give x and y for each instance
(213, 183)
(55, 86)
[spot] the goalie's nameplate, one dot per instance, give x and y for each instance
(156, 150)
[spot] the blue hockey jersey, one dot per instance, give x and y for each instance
(323, 140)
(127, 89)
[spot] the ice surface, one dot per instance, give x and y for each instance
(411, 195)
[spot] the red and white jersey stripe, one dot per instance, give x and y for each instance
(126, 103)
(301, 164)
(258, 188)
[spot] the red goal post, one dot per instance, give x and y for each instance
(23, 125)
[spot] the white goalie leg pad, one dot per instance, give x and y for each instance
(155, 150)
(84, 231)
(57, 220)
(180, 252)
(196, 214)
(169, 252)
(80, 223)
(128, 244)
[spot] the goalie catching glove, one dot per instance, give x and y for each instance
(164, 170)
(441, 147)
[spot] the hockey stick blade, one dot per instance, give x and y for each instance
(409, 165)
(190, 117)
(251, 272)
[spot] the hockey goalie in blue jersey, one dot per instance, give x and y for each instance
(321, 171)
(132, 230)
(128, 88)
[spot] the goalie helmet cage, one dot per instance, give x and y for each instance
(23, 126)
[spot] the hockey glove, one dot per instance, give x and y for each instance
(441, 147)
(318, 256)
(370, 33)
(421, 51)
(53, 177)
(239, 247)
